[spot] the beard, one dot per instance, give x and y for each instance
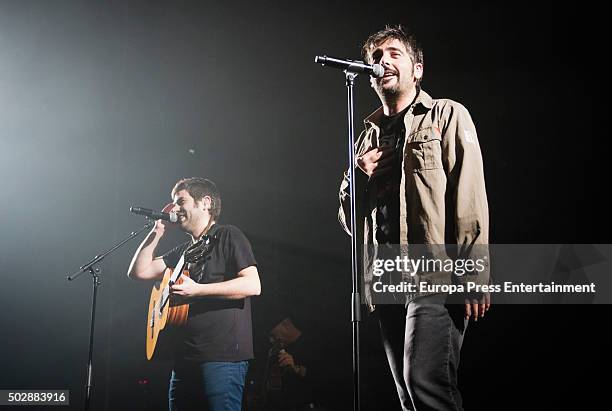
(388, 93)
(392, 92)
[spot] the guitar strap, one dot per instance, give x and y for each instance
(197, 253)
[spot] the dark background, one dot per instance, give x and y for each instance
(104, 105)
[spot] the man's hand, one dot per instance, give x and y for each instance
(187, 289)
(376, 161)
(477, 307)
(160, 225)
(144, 265)
(285, 359)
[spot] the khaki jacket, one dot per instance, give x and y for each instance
(442, 187)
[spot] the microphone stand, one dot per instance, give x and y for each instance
(355, 295)
(95, 271)
(350, 70)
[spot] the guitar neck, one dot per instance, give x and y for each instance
(176, 274)
(178, 270)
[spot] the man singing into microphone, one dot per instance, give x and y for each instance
(211, 353)
(418, 180)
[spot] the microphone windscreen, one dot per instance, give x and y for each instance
(378, 70)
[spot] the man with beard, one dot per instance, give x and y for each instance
(212, 349)
(418, 181)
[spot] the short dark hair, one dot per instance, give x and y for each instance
(398, 32)
(198, 188)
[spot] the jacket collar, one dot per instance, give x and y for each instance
(422, 100)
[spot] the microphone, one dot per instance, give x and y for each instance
(374, 70)
(156, 215)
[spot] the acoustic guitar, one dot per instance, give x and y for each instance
(167, 312)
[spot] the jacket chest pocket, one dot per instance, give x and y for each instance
(423, 150)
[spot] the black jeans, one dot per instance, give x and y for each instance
(423, 342)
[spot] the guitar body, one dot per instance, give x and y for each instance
(164, 313)
(167, 313)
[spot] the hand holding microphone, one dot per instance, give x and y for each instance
(157, 215)
(163, 217)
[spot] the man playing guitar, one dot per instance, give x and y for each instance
(211, 349)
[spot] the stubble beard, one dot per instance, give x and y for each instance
(390, 94)
(394, 92)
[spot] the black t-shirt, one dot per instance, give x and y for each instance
(392, 134)
(217, 329)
